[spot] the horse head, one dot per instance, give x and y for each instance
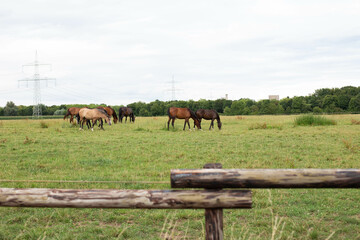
(219, 125)
(197, 123)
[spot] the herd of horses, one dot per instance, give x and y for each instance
(91, 116)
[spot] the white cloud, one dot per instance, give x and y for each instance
(119, 52)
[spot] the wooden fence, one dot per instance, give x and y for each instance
(213, 199)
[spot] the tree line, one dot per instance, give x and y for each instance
(325, 100)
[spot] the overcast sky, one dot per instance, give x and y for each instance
(119, 52)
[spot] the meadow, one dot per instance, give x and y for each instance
(54, 149)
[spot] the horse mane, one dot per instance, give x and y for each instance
(103, 111)
(114, 112)
(192, 114)
(217, 114)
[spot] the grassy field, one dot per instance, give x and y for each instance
(146, 151)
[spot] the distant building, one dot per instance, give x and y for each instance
(274, 97)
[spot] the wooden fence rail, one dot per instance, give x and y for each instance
(213, 199)
(265, 178)
(110, 198)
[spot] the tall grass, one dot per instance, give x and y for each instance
(312, 120)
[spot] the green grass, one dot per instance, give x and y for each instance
(313, 120)
(146, 151)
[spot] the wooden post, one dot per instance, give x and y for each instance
(214, 217)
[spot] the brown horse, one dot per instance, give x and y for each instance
(209, 115)
(110, 112)
(126, 112)
(182, 113)
(73, 111)
(86, 114)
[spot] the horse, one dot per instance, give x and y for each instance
(73, 111)
(182, 113)
(209, 115)
(125, 112)
(110, 112)
(94, 115)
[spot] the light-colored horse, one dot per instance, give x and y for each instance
(93, 115)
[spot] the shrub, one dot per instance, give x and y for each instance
(311, 120)
(60, 112)
(44, 125)
(264, 126)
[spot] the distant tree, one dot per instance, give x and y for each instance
(25, 110)
(254, 110)
(343, 101)
(143, 112)
(354, 104)
(1, 111)
(286, 104)
(10, 109)
(203, 104)
(330, 101)
(237, 107)
(227, 111)
(157, 108)
(350, 91)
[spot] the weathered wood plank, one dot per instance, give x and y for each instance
(265, 178)
(96, 198)
(214, 224)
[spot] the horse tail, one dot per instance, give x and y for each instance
(78, 118)
(168, 112)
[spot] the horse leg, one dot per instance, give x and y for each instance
(71, 118)
(172, 123)
(125, 119)
(188, 122)
(81, 123)
(211, 124)
(169, 123)
(101, 124)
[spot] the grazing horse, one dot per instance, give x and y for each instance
(125, 112)
(110, 112)
(94, 115)
(209, 115)
(182, 113)
(73, 111)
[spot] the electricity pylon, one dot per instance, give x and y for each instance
(36, 79)
(173, 90)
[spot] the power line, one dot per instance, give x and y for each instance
(36, 79)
